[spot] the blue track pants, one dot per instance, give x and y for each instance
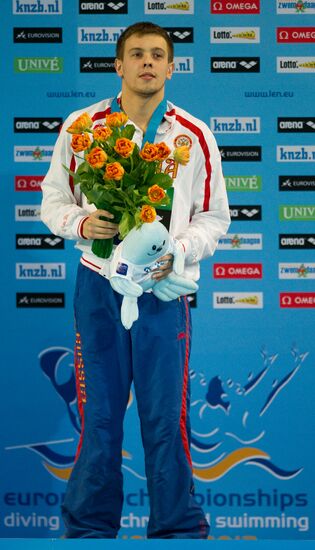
(154, 355)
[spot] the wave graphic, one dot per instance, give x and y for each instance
(228, 463)
(273, 469)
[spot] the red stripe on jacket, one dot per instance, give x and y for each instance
(183, 415)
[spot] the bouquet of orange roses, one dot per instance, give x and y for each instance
(115, 175)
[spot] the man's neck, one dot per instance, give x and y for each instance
(140, 108)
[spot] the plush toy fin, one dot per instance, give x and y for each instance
(126, 287)
(174, 286)
(129, 311)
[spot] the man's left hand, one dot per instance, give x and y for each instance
(165, 267)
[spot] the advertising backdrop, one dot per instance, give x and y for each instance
(247, 69)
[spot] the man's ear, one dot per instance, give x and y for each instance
(118, 66)
(170, 70)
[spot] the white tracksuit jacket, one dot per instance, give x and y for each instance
(200, 213)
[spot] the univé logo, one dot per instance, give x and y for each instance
(38, 65)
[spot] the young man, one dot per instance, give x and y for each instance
(154, 353)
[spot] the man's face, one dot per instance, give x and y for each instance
(145, 66)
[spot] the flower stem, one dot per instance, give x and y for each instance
(102, 247)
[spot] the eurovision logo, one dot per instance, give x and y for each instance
(223, 7)
(169, 8)
(243, 183)
(296, 124)
(295, 153)
(237, 271)
(295, 35)
(37, 125)
(37, 7)
(295, 64)
(234, 153)
(297, 241)
(298, 7)
(28, 183)
(106, 6)
(235, 64)
(40, 300)
(37, 35)
(296, 270)
(241, 241)
(297, 212)
(235, 35)
(235, 125)
(97, 65)
(296, 183)
(38, 65)
(33, 153)
(245, 212)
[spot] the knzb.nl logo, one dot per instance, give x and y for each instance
(99, 35)
(40, 271)
(235, 125)
(38, 7)
(295, 153)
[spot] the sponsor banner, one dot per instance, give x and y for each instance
(99, 35)
(235, 35)
(235, 7)
(37, 7)
(38, 241)
(183, 65)
(97, 65)
(237, 271)
(181, 34)
(39, 299)
(33, 153)
(106, 6)
(37, 125)
(292, 7)
(296, 124)
(296, 241)
(38, 65)
(169, 8)
(243, 183)
(27, 213)
(241, 241)
(28, 183)
(235, 64)
(296, 183)
(296, 64)
(245, 213)
(297, 299)
(295, 35)
(40, 271)
(238, 300)
(37, 35)
(295, 153)
(235, 125)
(296, 271)
(246, 153)
(297, 212)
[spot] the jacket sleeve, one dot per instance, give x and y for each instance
(60, 210)
(210, 215)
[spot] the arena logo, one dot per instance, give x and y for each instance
(234, 153)
(295, 153)
(238, 300)
(37, 35)
(235, 35)
(235, 64)
(297, 212)
(235, 125)
(243, 183)
(245, 212)
(296, 124)
(37, 271)
(33, 153)
(296, 271)
(297, 299)
(183, 65)
(27, 213)
(295, 35)
(38, 241)
(241, 241)
(37, 125)
(28, 183)
(38, 65)
(39, 7)
(305, 7)
(99, 35)
(295, 64)
(296, 183)
(181, 34)
(107, 6)
(296, 241)
(223, 7)
(237, 271)
(97, 65)
(169, 8)
(39, 300)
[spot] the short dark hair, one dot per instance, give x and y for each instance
(142, 28)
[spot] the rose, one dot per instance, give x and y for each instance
(124, 147)
(114, 171)
(114, 120)
(156, 193)
(182, 154)
(80, 142)
(102, 133)
(149, 152)
(96, 157)
(163, 150)
(82, 123)
(147, 214)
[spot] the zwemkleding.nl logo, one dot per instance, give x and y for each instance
(241, 241)
(33, 153)
(295, 7)
(295, 270)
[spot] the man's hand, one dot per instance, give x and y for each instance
(165, 268)
(94, 228)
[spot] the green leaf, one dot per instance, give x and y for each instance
(128, 131)
(163, 180)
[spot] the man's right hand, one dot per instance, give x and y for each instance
(95, 228)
